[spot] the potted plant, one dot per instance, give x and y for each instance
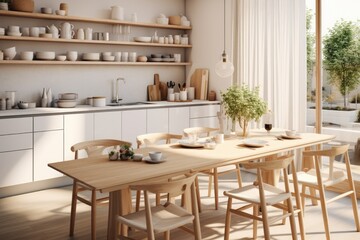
(243, 105)
(126, 152)
(114, 154)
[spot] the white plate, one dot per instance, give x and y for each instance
(156, 59)
(148, 160)
(290, 137)
(251, 142)
(186, 143)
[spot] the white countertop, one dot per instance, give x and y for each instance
(88, 108)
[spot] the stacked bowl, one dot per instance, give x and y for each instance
(67, 100)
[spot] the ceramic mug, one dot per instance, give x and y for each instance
(25, 31)
(34, 32)
(72, 55)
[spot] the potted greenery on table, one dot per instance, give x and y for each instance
(243, 105)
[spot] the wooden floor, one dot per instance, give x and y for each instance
(45, 215)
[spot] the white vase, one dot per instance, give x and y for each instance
(49, 97)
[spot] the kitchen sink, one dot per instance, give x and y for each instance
(128, 104)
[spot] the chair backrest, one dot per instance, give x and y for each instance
(155, 138)
(97, 147)
(173, 188)
(280, 163)
(331, 153)
(199, 131)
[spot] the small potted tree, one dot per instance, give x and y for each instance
(243, 105)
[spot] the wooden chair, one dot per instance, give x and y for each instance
(215, 172)
(318, 179)
(148, 140)
(92, 148)
(260, 195)
(164, 218)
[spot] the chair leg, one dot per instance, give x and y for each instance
(324, 212)
(255, 222)
(265, 221)
(198, 199)
(238, 175)
(292, 219)
(137, 203)
(228, 220)
(93, 215)
(355, 210)
(167, 235)
(73, 209)
(216, 188)
(210, 182)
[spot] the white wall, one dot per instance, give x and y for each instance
(28, 80)
(207, 38)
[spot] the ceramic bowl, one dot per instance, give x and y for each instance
(155, 156)
(142, 39)
(27, 55)
(46, 35)
(109, 58)
(137, 157)
(91, 56)
(23, 105)
(60, 57)
(68, 96)
(46, 10)
(45, 55)
(142, 59)
(60, 12)
(290, 133)
(9, 53)
(66, 103)
(99, 101)
(174, 20)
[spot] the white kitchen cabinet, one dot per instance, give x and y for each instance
(77, 128)
(16, 161)
(178, 119)
(204, 116)
(107, 125)
(48, 145)
(157, 120)
(133, 124)
(16, 167)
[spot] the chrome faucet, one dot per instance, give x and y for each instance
(117, 99)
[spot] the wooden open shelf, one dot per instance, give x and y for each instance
(54, 62)
(91, 20)
(61, 40)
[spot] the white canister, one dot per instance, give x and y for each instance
(177, 96)
(169, 93)
(177, 57)
(190, 93)
(80, 34)
(99, 101)
(132, 57)
(171, 97)
(89, 34)
(72, 55)
(183, 95)
(125, 57)
(177, 39)
(117, 56)
(34, 32)
(117, 13)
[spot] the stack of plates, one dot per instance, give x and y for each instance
(142, 39)
(67, 100)
(14, 34)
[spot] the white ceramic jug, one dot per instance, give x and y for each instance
(88, 33)
(67, 30)
(53, 30)
(117, 13)
(80, 34)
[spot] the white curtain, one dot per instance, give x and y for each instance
(269, 51)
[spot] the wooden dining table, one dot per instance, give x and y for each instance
(115, 177)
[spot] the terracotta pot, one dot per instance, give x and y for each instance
(22, 5)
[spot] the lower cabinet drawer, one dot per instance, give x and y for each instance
(204, 111)
(16, 168)
(15, 142)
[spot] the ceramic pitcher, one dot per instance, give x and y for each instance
(67, 30)
(53, 30)
(88, 33)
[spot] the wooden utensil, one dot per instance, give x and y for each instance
(163, 91)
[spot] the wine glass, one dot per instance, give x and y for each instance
(268, 121)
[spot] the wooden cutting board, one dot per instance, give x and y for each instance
(199, 80)
(163, 91)
(154, 93)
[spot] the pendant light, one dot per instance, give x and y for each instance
(224, 68)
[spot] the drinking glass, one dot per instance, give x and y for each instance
(268, 122)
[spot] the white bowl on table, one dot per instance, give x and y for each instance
(291, 133)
